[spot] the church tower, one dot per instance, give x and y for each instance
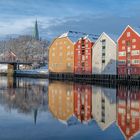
(36, 32)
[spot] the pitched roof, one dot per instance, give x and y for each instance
(92, 38)
(74, 36)
(136, 30)
(112, 37)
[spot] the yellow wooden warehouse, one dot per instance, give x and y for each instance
(61, 53)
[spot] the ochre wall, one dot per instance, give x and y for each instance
(61, 56)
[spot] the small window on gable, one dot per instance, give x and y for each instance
(128, 34)
(133, 46)
(79, 46)
(133, 40)
(123, 47)
(103, 42)
(123, 41)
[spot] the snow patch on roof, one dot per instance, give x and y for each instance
(74, 36)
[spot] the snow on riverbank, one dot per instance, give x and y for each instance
(3, 68)
(42, 70)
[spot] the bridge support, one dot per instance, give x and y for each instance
(11, 69)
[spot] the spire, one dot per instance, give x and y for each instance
(35, 116)
(36, 32)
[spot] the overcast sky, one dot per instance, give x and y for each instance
(58, 16)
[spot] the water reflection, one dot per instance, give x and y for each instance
(61, 102)
(25, 96)
(104, 106)
(128, 111)
(75, 105)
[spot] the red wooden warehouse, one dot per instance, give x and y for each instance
(83, 55)
(129, 52)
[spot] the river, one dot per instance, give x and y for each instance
(38, 109)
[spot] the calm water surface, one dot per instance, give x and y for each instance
(36, 109)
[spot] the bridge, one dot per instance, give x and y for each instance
(12, 61)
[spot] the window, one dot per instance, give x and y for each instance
(133, 46)
(103, 42)
(135, 52)
(133, 40)
(86, 45)
(123, 47)
(128, 55)
(83, 58)
(60, 54)
(83, 64)
(71, 53)
(123, 41)
(83, 52)
(79, 46)
(103, 61)
(103, 47)
(127, 43)
(68, 64)
(135, 61)
(78, 52)
(68, 53)
(103, 54)
(121, 62)
(122, 53)
(128, 34)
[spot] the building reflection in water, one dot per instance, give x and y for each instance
(104, 106)
(83, 102)
(25, 95)
(128, 111)
(73, 103)
(61, 102)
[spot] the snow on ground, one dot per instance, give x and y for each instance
(42, 70)
(3, 68)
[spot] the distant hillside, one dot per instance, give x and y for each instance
(26, 48)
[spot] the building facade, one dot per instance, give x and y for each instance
(129, 52)
(61, 53)
(104, 56)
(83, 56)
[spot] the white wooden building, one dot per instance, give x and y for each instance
(104, 56)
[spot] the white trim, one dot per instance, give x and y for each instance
(107, 37)
(128, 26)
(135, 134)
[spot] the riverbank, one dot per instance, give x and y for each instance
(29, 75)
(89, 79)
